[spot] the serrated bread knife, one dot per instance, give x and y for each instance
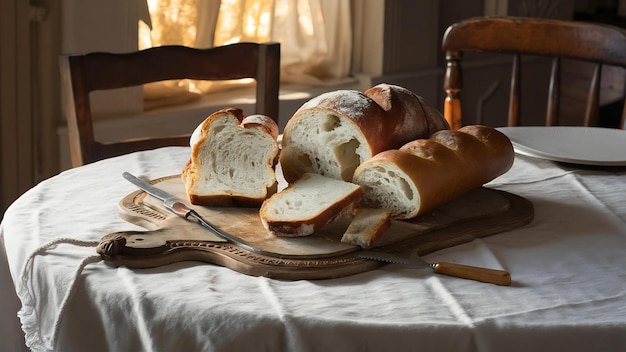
(498, 277)
(175, 205)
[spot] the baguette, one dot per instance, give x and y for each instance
(232, 160)
(335, 132)
(424, 174)
(308, 204)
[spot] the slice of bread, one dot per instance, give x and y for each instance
(367, 225)
(232, 160)
(308, 204)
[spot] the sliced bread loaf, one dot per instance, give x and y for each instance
(232, 160)
(308, 204)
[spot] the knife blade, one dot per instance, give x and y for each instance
(498, 277)
(175, 205)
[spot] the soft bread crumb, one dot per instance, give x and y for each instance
(323, 143)
(387, 186)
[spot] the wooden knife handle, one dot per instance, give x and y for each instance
(498, 277)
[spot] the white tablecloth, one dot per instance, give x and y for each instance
(568, 268)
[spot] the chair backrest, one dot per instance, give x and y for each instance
(82, 74)
(596, 43)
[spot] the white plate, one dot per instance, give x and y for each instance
(577, 145)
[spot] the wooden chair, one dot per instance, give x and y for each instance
(82, 74)
(599, 44)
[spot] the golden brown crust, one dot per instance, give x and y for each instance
(407, 116)
(228, 201)
(436, 182)
(434, 119)
(429, 149)
(496, 145)
(449, 164)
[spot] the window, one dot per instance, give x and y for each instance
(315, 35)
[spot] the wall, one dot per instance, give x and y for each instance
(15, 96)
(95, 25)
(28, 103)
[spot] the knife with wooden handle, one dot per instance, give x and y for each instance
(493, 276)
(175, 205)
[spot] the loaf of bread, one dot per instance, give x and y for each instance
(426, 173)
(232, 160)
(308, 204)
(367, 225)
(335, 132)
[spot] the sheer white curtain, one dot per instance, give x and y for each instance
(315, 36)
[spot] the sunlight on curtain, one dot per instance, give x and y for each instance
(244, 21)
(171, 22)
(179, 22)
(315, 36)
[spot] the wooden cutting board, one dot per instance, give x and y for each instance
(169, 239)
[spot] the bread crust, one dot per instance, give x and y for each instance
(446, 166)
(407, 116)
(222, 200)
